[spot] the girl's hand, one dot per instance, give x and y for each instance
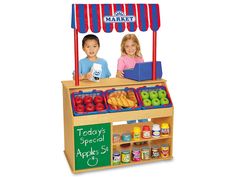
(120, 74)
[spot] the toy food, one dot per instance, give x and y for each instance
(153, 94)
(131, 96)
(122, 99)
(164, 101)
(162, 93)
(117, 94)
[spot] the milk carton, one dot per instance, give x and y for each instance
(96, 72)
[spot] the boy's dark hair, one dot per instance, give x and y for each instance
(90, 37)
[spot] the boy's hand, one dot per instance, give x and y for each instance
(89, 75)
(120, 74)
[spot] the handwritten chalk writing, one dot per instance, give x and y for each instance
(87, 154)
(91, 132)
(92, 161)
(104, 149)
(92, 152)
(91, 141)
(92, 146)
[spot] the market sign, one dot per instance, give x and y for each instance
(119, 17)
(92, 146)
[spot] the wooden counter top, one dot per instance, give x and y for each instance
(108, 82)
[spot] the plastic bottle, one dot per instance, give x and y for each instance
(96, 72)
(146, 132)
(156, 131)
(165, 130)
(136, 133)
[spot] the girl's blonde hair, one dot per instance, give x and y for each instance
(134, 38)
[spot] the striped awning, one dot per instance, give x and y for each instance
(119, 16)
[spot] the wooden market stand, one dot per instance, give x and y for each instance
(70, 122)
(89, 138)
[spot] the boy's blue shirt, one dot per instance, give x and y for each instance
(85, 66)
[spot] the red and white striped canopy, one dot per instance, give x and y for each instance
(119, 16)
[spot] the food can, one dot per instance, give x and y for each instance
(155, 152)
(125, 156)
(164, 150)
(116, 138)
(126, 137)
(145, 153)
(116, 158)
(136, 156)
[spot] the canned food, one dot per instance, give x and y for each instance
(164, 150)
(116, 138)
(116, 158)
(136, 154)
(125, 156)
(155, 151)
(126, 137)
(145, 153)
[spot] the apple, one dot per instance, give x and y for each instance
(78, 100)
(79, 108)
(153, 94)
(162, 94)
(98, 99)
(164, 101)
(156, 102)
(88, 99)
(144, 95)
(99, 107)
(147, 102)
(90, 107)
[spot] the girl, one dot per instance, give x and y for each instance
(130, 54)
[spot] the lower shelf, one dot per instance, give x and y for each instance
(122, 165)
(142, 161)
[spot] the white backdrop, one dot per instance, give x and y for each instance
(196, 44)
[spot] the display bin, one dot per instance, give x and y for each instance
(89, 138)
(155, 88)
(91, 94)
(143, 71)
(118, 98)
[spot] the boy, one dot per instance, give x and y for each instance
(91, 45)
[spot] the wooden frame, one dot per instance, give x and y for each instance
(156, 115)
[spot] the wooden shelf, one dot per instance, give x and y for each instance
(122, 116)
(128, 128)
(142, 140)
(142, 161)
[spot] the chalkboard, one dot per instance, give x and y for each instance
(92, 146)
